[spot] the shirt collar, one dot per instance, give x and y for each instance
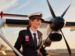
(32, 31)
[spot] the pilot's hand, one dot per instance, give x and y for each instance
(48, 55)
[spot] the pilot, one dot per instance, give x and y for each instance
(31, 38)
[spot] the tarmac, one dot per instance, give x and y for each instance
(60, 53)
(52, 53)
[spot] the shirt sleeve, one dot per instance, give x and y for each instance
(19, 42)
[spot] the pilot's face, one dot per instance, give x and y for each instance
(35, 23)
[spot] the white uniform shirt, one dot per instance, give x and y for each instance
(36, 36)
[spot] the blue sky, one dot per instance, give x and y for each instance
(26, 7)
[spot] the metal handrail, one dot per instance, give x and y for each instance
(10, 45)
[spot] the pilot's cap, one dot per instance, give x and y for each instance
(35, 15)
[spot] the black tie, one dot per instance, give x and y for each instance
(35, 40)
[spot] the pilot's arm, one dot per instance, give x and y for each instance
(19, 42)
(43, 51)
